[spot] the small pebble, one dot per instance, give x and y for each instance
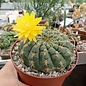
(13, 51)
(41, 74)
(28, 73)
(16, 48)
(20, 66)
(26, 70)
(23, 69)
(17, 62)
(15, 58)
(16, 53)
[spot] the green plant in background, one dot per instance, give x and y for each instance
(48, 9)
(0, 2)
(6, 39)
(44, 8)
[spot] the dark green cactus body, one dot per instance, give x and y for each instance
(6, 39)
(52, 51)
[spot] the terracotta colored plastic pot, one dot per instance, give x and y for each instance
(32, 80)
(83, 37)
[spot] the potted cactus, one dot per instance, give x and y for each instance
(42, 57)
(6, 40)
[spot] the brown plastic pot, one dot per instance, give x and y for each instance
(5, 56)
(42, 22)
(83, 33)
(32, 80)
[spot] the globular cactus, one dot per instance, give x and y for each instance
(6, 39)
(52, 52)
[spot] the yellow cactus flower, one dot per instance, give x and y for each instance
(27, 27)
